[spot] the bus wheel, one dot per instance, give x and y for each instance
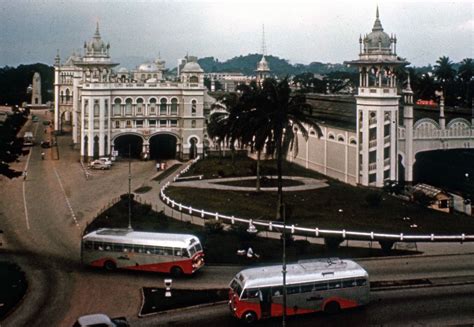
(110, 265)
(249, 317)
(176, 271)
(332, 307)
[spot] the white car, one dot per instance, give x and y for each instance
(106, 160)
(98, 164)
(99, 319)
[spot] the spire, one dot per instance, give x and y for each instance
(264, 48)
(57, 59)
(408, 83)
(377, 23)
(97, 34)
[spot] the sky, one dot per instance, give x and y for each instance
(297, 30)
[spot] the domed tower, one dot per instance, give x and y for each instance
(263, 68)
(377, 106)
(94, 108)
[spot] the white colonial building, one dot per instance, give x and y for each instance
(138, 111)
(374, 138)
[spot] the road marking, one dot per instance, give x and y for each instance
(25, 170)
(67, 199)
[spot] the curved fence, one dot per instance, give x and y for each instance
(305, 231)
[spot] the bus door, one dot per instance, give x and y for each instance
(265, 301)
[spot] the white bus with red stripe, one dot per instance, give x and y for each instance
(127, 249)
(311, 285)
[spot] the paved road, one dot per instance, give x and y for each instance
(43, 218)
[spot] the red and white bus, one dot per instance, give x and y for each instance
(123, 248)
(311, 285)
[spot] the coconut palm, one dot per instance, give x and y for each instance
(444, 70)
(465, 74)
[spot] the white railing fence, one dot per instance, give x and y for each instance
(305, 231)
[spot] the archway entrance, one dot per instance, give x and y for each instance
(193, 148)
(163, 146)
(123, 143)
(449, 169)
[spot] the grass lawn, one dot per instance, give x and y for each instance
(339, 206)
(220, 247)
(13, 286)
(264, 182)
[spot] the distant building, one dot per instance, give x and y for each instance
(138, 111)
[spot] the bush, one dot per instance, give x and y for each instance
(213, 227)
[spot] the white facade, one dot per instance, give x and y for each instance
(106, 105)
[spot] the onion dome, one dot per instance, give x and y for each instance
(192, 67)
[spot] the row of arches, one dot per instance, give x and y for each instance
(157, 147)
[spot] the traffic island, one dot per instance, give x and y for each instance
(155, 299)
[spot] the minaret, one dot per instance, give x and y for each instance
(377, 107)
(36, 91)
(442, 119)
(408, 122)
(263, 69)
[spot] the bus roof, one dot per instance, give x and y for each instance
(118, 235)
(305, 271)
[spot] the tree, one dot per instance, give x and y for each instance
(465, 74)
(444, 70)
(11, 147)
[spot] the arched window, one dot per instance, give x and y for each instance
(96, 108)
(62, 96)
(86, 108)
(117, 109)
(340, 138)
(193, 79)
(193, 107)
(163, 104)
(139, 106)
(174, 106)
(152, 106)
(193, 123)
(331, 136)
(353, 141)
(67, 95)
(128, 106)
(117, 124)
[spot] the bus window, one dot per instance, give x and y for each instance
(117, 247)
(185, 253)
(307, 288)
(320, 287)
(361, 282)
(139, 248)
(335, 284)
(349, 283)
(88, 245)
(251, 294)
(292, 290)
(277, 291)
(178, 252)
(128, 248)
(149, 250)
(98, 246)
(168, 251)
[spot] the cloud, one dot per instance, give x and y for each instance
(467, 26)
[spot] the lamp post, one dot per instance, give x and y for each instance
(283, 271)
(129, 188)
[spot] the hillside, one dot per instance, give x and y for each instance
(280, 67)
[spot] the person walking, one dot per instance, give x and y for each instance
(25, 173)
(42, 155)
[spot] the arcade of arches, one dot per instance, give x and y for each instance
(158, 147)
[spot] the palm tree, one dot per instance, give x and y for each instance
(285, 113)
(465, 74)
(444, 70)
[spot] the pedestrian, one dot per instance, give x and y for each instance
(25, 173)
(42, 155)
(158, 166)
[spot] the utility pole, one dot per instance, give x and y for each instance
(283, 322)
(129, 188)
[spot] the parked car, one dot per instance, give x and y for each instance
(98, 164)
(45, 144)
(100, 319)
(46, 122)
(106, 160)
(35, 118)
